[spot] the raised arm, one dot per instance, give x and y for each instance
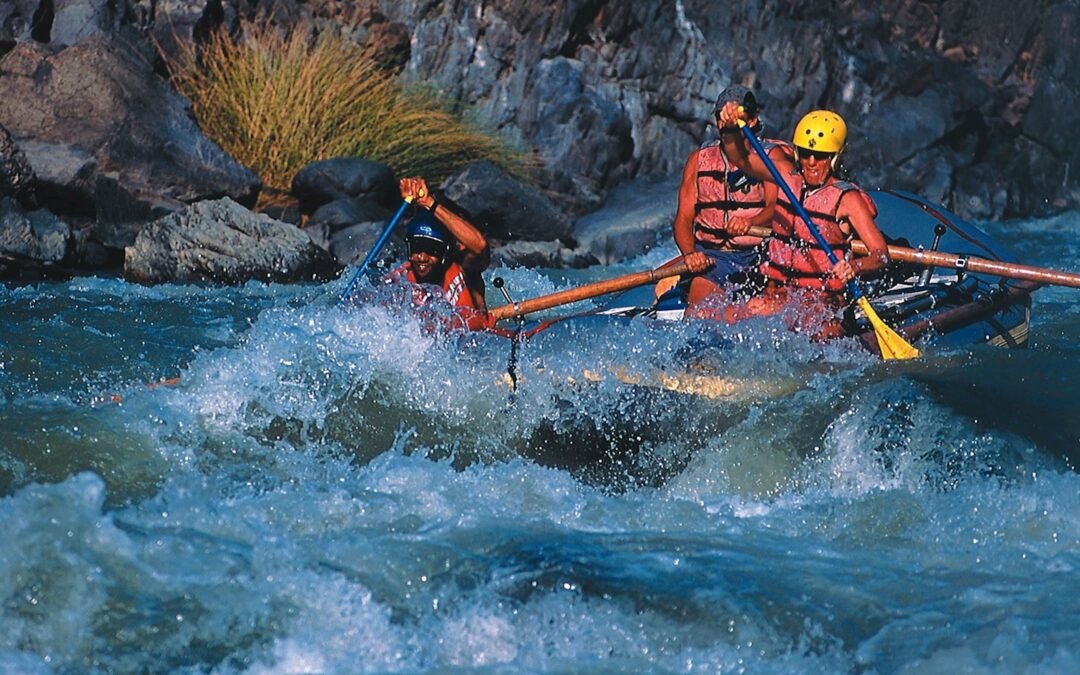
(476, 254)
(738, 150)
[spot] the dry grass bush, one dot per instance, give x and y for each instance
(277, 102)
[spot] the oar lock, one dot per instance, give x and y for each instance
(498, 283)
(928, 271)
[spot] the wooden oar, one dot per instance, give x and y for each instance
(962, 262)
(586, 291)
(982, 265)
(891, 344)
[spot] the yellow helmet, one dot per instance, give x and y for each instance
(821, 131)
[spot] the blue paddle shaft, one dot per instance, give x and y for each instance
(375, 250)
(856, 293)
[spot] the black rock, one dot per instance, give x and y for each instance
(504, 208)
(329, 180)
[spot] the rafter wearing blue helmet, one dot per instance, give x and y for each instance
(447, 251)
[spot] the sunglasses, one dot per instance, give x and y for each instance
(816, 154)
(435, 249)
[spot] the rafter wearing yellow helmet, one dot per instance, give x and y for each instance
(839, 210)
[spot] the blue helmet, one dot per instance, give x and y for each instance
(428, 234)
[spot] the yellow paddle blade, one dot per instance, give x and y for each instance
(890, 343)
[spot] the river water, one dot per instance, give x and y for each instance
(337, 489)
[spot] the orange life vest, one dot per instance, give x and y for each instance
(718, 200)
(455, 291)
(794, 257)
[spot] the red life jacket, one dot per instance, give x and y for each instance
(455, 291)
(795, 258)
(718, 200)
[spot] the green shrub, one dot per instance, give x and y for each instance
(277, 102)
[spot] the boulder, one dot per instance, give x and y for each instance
(98, 108)
(16, 175)
(329, 180)
(16, 19)
(504, 208)
(600, 90)
(636, 216)
(349, 228)
(352, 244)
(571, 116)
(65, 176)
(123, 210)
(1053, 113)
(35, 235)
(222, 241)
(76, 20)
(58, 22)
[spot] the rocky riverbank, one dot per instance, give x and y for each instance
(971, 104)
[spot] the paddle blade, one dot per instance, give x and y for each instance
(890, 343)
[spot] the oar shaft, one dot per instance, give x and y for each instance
(853, 288)
(956, 261)
(981, 265)
(587, 291)
(375, 250)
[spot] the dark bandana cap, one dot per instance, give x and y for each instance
(737, 92)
